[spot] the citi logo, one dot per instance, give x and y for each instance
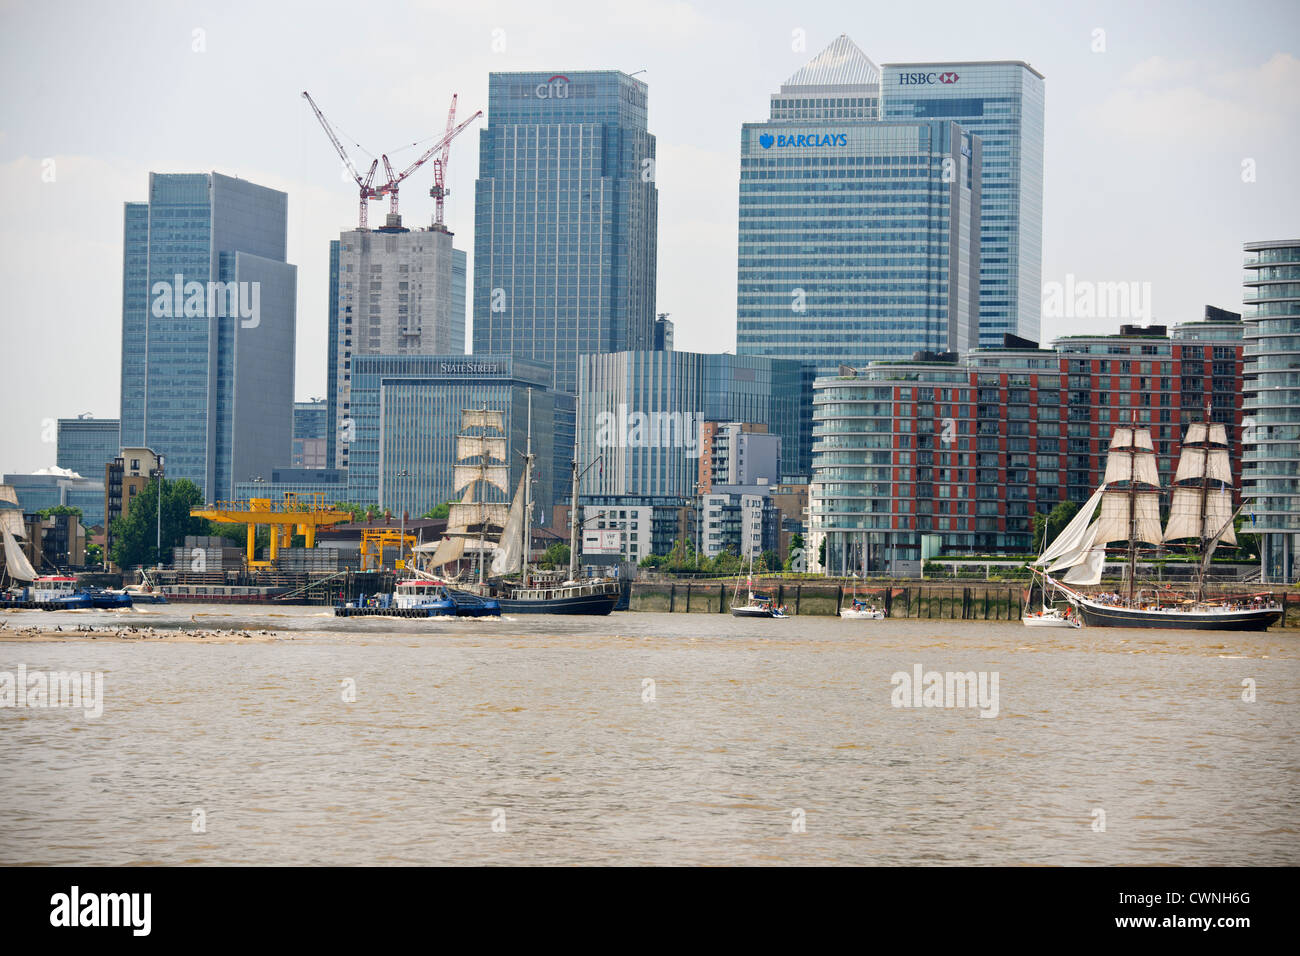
(556, 88)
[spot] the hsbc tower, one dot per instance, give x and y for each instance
(1002, 102)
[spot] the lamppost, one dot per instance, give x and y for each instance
(158, 542)
(401, 541)
(699, 524)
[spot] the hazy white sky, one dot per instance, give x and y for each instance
(1146, 141)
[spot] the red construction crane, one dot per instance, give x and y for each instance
(444, 145)
(439, 190)
(367, 191)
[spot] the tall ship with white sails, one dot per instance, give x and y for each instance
(496, 538)
(1126, 508)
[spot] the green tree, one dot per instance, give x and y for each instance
(135, 533)
(441, 511)
(357, 511)
(1056, 521)
(796, 552)
(821, 554)
(556, 556)
(768, 561)
(1247, 543)
(59, 510)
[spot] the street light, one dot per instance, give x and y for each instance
(158, 544)
(401, 541)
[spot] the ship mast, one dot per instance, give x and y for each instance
(482, 509)
(1132, 513)
(527, 523)
(1205, 502)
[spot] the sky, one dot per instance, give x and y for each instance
(1172, 131)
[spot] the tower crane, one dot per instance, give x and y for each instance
(368, 192)
(439, 190)
(444, 145)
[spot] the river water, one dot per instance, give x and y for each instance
(652, 739)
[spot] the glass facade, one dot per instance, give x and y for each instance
(206, 386)
(566, 220)
(407, 411)
(1271, 475)
(642, 412)
(1002, 103)
(87, 445)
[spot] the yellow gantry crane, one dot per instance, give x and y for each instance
(298, 514)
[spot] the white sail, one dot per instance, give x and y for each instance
(1191, 464)
(1074, 533)
(1121, 466)
(464, 515)
(1195, 433)
(498, 476)
(508, 556)
(1218, 512)
(1071, 558)
(1115, 517)
(472, 446)
(1089, 570)
(1142, 439)
(1218, 468)
(16, 564)
(448, 550)
(483, 418)
(1218, 434)
(1121, 438)
(1184, 514)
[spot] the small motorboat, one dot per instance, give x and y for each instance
(858, 611)
(1051, 617)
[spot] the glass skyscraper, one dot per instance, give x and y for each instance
(642, 412)
(1271, 433)
(1002, 103)
(87, 445)
(208, 326)
(566, 219)
(407, 412)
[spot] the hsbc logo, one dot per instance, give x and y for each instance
(926, 79)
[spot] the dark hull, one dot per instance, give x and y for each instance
(579, 604)
(1252, 620)
(753, 612)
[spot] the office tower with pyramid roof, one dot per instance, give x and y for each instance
(859, 237)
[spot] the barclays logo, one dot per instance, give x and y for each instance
(802, 140)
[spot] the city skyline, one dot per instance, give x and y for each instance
(1120, 199)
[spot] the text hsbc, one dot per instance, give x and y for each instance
(924, 79)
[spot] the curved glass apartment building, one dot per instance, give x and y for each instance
(1271, 471)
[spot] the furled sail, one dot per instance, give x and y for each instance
(472, 446)
(1073, 534)
(16, 564)
(498, 476)
(1116, 519)
(508, 556)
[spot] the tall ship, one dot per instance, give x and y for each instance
(1126, 508)
(494, 539)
